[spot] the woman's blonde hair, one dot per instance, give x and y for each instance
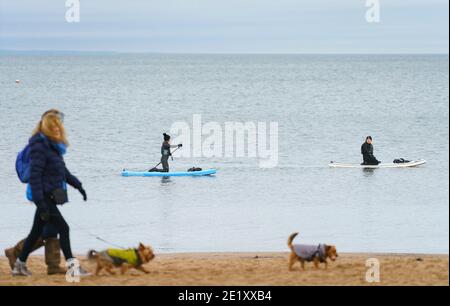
(50, 120)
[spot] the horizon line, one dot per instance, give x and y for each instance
(211, 53)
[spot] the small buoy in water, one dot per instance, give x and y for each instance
(17, 81)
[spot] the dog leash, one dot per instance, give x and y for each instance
(109, 243)
(98, 237)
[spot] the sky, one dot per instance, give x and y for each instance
(226, 26)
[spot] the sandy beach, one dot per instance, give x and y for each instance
(253, 269)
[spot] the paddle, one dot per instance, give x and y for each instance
(153, 169)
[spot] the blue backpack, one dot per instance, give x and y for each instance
(23, 167)
(23, 163)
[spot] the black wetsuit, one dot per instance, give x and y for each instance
(367, 152)
(165, 154)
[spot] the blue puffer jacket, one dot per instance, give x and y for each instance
(48, 170)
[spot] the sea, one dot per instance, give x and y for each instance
(117, 106)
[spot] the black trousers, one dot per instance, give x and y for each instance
(165, 163)
(370, 160)
(58, 222)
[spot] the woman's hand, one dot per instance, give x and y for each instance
(83, 193)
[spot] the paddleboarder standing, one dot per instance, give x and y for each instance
(166, 153)
(367, 152)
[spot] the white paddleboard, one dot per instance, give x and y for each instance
(410, 164)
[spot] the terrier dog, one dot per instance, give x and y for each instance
(123, 259)
(307, 253)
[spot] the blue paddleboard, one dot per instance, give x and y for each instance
(127, 173)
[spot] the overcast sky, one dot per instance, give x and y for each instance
(227, 26)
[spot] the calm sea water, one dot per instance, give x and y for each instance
(117, 107)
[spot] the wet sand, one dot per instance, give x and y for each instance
(252, 269)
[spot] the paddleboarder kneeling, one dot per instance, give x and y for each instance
(166, 153)
(367, 153)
